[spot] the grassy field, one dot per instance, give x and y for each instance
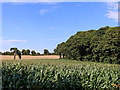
(60, 62)
(59, 74)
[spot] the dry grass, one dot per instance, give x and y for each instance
(10, 57)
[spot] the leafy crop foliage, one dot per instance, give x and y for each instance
(59, 77)
(101, 45)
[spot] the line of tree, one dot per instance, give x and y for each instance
(102, 45)
(27, 52)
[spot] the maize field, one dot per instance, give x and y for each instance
(16, 76)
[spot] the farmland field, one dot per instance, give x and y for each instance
(59, 74)
(10, 57)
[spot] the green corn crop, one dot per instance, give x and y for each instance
(61, 77)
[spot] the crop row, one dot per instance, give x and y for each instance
(22, 76)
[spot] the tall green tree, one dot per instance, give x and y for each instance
(28, 52)
(102, 45)
(25, 52)
(33, 53)
(46, 52)
(15, 50)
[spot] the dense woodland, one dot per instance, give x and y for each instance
(102, 45)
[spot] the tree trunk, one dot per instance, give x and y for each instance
(60, 55)
(63, 55)
(15, 55)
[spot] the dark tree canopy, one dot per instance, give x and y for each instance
(33, 52)
(102, 45)
(14, 50)
(38, 53)
(46, 52)
(25, 52)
